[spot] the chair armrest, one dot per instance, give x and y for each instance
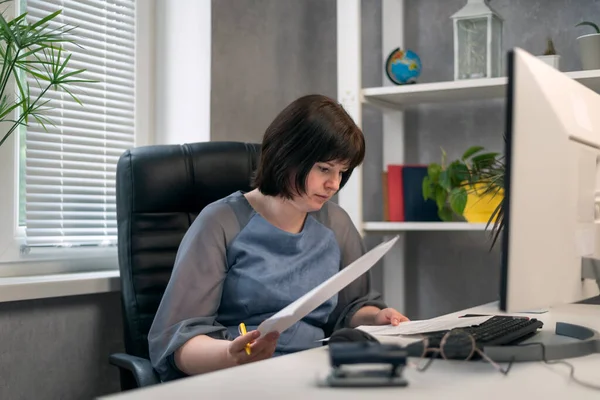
(140, 368)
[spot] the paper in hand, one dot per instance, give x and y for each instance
(294, 312)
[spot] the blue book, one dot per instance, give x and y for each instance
(415, 207)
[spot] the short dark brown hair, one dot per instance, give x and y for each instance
(311, 129)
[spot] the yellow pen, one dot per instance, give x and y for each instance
(242, 329)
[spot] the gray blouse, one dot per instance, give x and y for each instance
(234, 266)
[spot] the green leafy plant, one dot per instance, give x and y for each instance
(591, 24)
(32, 50)
(449, 184)
(444, 184)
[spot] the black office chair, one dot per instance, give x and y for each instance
(160, 191)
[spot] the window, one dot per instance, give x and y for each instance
(69, 182)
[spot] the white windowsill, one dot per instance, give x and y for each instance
(58, 285)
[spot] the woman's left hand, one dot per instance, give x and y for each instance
(389, 316)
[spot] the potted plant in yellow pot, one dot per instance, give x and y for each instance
(470, 189)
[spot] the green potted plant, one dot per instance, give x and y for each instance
(32, 50)
(589, 46)
(469, 189)
(550, 57)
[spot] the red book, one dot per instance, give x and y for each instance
(395, 193)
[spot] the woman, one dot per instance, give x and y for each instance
(249, 255)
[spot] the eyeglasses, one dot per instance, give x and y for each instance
(458, 345)
(589, 385)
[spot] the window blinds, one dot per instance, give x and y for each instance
(70, 167)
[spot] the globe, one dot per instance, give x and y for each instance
(403, 66)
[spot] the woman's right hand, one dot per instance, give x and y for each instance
(260, 349)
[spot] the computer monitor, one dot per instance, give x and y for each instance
(552, 187)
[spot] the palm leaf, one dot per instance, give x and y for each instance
(498, 226)
(34, 50)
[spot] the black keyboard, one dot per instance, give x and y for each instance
(496, 331)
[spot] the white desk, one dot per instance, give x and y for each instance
(295, 376)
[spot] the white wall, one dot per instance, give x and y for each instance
(182, 62)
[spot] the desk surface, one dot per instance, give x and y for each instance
(296, 376)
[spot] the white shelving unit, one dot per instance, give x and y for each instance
(393, 100)
(403, 97)
(399, 227)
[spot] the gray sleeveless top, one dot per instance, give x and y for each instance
(234, 266)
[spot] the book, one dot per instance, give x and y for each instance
(395, 193)
(405, 194)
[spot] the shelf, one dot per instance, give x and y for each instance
(394, 227)
(405, 96)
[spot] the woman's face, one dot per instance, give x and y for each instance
(322, 182)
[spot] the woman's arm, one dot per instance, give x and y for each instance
(358, 303)
(370, 315)
(189, 306)
(364, 316)
(358, 294)
(203, 354)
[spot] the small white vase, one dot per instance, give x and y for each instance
(589, 48)
(552, 60)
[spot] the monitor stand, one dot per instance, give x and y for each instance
(568, 340)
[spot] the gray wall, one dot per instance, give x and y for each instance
(372, 67)
(450, 271)
(57, 349)
(265, 54)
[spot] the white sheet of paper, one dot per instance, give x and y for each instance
(423, 326)
(294, 312)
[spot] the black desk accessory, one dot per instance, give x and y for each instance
(351, 349)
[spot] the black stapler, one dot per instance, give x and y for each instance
(366, 363)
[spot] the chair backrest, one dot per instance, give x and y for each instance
(161, 189)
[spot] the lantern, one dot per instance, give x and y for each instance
(477, 41)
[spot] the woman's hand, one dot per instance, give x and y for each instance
(389, 316)
(371, 315)
(260, 349)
